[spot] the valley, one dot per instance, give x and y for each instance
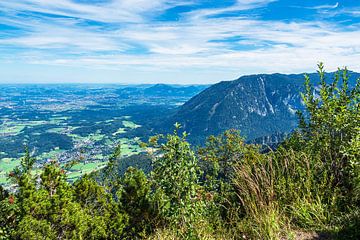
(78, 122)
(85, 123)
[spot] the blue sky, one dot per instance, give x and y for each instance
(173, 41)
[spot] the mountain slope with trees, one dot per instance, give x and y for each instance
(257, 105)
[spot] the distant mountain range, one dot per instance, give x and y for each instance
(163, 90)
(263, 107)
(168, 90)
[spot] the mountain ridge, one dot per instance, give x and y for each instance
(259, 105)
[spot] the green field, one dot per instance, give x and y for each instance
(84, 168)
(7, 165)
(93, 162)
(69, 122)
(12, 128)
(130, 124)
(57, 130)
(52, 154)
(119, 131)
(94, 147)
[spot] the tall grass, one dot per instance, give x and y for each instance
(203, 233)
(255, 180)
(282, 189)
(304, 188)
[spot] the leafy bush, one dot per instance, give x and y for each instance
(176, 178)
(312, 180)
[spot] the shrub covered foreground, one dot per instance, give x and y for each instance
(224, 190)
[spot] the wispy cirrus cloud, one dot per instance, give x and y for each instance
(127, 35)
(325, 6)
(104, 11)
(238, 5)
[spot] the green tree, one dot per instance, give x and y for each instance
(135, 198)
(219, 157)
(8, 214)
(329, 129)
(108, 218)
(49, 212)
(176, 178)
(48, 207)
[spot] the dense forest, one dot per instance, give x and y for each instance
(306, 188)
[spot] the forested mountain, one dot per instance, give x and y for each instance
(162, 90)
(261, 106)
(171, 90)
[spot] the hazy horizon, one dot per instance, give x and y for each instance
(115, 83)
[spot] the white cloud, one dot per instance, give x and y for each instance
(111, 11)
(354, 12)
(240, 5)
(336, 5)
(195, 43)
(325, 7)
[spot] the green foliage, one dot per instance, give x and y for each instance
(312, 180)
(218, 159)
(325, 151)
(48, 207)
(222, 152)
(255, 181)
(111, 180)
(302, 188)
(229, 190)
(137, 202)
(51, 212)
(176, 177)
(8, 214)
(110, 218)
(330, 130)
(349, 224)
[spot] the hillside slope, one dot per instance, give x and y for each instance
(258, 105)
